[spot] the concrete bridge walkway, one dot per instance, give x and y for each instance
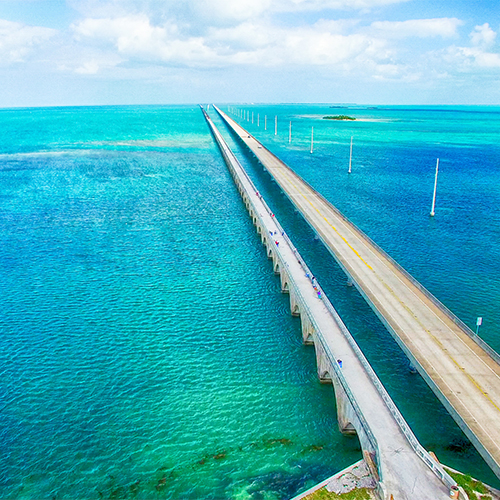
(404, 469)
(462, 370)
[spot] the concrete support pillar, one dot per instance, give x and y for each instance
(307, 330)
(323, 365)
(348, 421)
(276, 265)
(345, 411)
(285, 282)
(294, 305)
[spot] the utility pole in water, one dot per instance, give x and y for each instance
(435, 189)
(350, 158)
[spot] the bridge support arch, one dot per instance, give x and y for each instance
(323, 364)
(294, 303)
(285, 282)
(307, 330)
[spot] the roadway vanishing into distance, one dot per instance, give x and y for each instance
(462, 370)
(402, 469)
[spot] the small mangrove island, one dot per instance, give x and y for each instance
(339, 117)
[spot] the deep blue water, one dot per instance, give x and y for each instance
(146, 351)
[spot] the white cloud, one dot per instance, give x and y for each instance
(483, 36)
(133, 34)
(248, 43)
(313, 47)
(472, 58)
(90, 67)
(91, 62)
(244, 36)
(478, 58)
(217, 13)
(18, 40)
(421, 28)
(136, 38)
(213, 11)
(317, 5)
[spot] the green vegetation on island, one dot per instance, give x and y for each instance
(475, 489)
(339, 117)
(358, 494)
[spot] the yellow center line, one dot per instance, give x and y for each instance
(435, 339)
(330, 224)
(405, 306)
(440, 344)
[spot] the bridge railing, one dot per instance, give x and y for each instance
(230, 158)
(396, 414)
(467, 330)
(437, 468)
(338, 372)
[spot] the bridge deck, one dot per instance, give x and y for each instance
(462, 374)
(404, 473)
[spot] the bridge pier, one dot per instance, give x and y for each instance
(323, 364)
(347, 419)
(294, 303)
(276, 267)
(284, 279)
(346, 415)
(307, 330)
(345, 411)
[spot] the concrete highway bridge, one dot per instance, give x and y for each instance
(462, 370)
(402, 469)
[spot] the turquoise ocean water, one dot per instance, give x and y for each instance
(145, 348)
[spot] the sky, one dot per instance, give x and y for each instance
(106, 52)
